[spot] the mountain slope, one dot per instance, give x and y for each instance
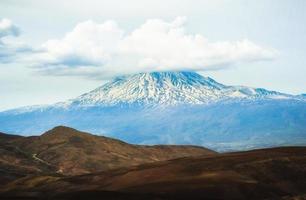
(277, 173)
(173, 108)
(15, 162)
(72, 152)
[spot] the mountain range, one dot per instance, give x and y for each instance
(173, 108)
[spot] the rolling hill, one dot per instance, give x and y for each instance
(67, 151)
(277, 173)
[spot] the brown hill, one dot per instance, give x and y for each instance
(16, 163)
(64, 163)
(4, 137)
(72, 152)
(277, 173)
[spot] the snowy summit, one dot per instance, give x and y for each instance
(169, 88)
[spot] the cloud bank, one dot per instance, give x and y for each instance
(101, 50)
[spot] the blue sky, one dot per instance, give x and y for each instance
(254, 43)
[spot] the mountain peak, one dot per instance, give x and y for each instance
(61, 130)
(182, 77)
(153, 88)
(168, 88)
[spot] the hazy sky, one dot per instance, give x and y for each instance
(54, 50)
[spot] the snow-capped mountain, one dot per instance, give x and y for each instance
(164, 89)
(169, 88)
(173, 108)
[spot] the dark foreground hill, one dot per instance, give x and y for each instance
(277, 173)
(70, 152)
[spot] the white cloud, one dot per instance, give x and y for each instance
(166, 46)
(7, 28)
(88, 44)
(98, 50)
(10, 49)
